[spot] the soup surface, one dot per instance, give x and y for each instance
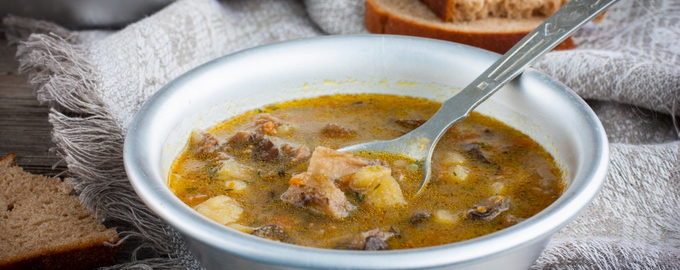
(272, 172)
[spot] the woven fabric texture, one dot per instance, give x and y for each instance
(627, 67)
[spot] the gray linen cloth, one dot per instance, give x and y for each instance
(628, 67)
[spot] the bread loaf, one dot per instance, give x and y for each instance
(411, 17)
(470, 10)
(43, 226)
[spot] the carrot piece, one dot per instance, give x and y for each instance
(296, 180)
(283, 220)
(268, 128)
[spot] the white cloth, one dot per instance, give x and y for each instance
(96, 81)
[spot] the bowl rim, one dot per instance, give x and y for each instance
(546, 222)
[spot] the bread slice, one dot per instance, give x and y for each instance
(469, 10)
(43, 226)
(411, 17)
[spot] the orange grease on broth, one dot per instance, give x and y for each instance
(528, 173)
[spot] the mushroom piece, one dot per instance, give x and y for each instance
(375, 243)
(475, 151)
(372, 240)
(419, 217)
(271, 232)
(489, 208)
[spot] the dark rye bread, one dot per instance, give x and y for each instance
(43, 226)
(469, 10)
(413, 18)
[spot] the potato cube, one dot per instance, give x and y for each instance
(232, 169)
(284, 129)
(235, 185)
(401, 163)
(446, 217)
(456, 174)
(386, 193)
(498, 188)
(221, 209)
(368, 177)
(453, 158)
(380, 188)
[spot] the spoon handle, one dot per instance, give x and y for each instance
(545, 37)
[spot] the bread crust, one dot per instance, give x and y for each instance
(381, 21)
(8, 160)
(86, 257)
(440, 7)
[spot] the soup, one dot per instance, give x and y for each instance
(273, 173)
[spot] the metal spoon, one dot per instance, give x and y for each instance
(420, 142)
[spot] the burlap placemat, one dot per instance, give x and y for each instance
(628, 67)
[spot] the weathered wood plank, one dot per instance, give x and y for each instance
(24, 129)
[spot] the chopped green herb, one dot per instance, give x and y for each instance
(228, 190)
(259, 174)
(358, 196)
(376, 186)
(260, 110)
(282, 172)
(190, 189)
(212, 171)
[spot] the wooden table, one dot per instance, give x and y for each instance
(24, 128)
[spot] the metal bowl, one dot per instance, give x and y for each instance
(83, 14)
(534, 103)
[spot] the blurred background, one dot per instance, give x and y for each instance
(83, 14)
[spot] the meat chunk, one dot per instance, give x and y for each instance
(239, 140)
(294, 154)
(334, 164)
(203, 143)
(317, 193)
(263, 148)
(489, 208)
(271, 232)
(410, 123)
(316, 189)
(372, 240)
(267, 124)
(337, 131)
(240, 144)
